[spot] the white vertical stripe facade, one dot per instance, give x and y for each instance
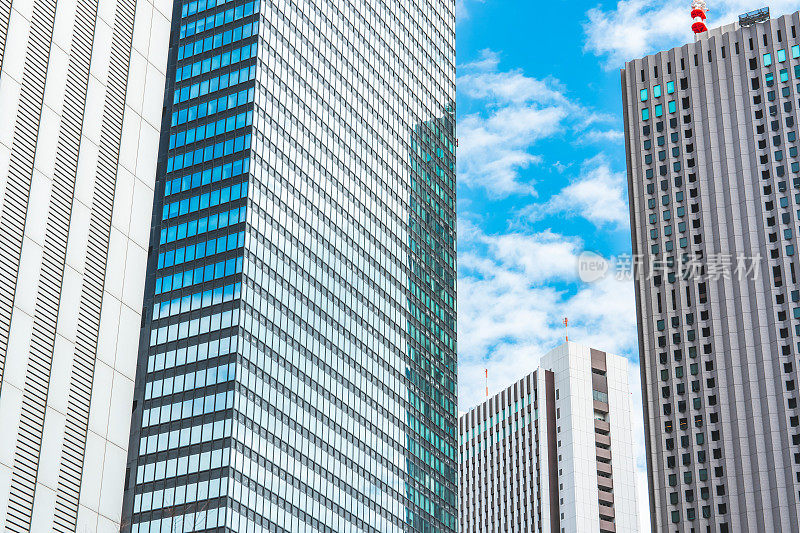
(575, 433)
(81, 94)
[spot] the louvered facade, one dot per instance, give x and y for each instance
(81, 86)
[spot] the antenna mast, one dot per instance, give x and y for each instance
(699, 10)
(566, 328)
(486, 370)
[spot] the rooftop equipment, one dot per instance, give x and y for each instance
(754, 17)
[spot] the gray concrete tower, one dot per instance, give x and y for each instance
(711, 141)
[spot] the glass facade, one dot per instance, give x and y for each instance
(297, 367)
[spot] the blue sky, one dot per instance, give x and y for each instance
(541, 177)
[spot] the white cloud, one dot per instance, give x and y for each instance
(492, 151)
(604, 136)
(598, 196)
(634, 28)
(510, 309)
(590, 118)
(483, 81)
(517, 110)
(463, 9)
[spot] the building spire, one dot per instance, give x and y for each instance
(699, 10)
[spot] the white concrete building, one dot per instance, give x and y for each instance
(81, 93)
(554, 451)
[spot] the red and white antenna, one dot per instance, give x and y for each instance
(699, 9)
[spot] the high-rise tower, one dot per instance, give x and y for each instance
(714, 185)
(81, 83)
(554, 451)
(297, 366)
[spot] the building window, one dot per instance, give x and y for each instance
(600, 396)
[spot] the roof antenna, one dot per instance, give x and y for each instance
(486, 370)
(699, 10)
(566, 328)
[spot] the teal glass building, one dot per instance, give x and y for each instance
(297, 362)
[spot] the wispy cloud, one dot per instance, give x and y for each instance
(598, 195)
(483, 80)
(634, 28)
(496, 143)
(463, 9)
(514, 290)
(604, 136)
(492, 151)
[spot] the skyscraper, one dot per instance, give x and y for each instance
(714, 177)
(297, 367)
(554, 451)
(81, 84)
